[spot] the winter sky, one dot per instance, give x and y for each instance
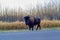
(24, 4)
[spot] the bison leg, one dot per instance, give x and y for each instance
(29, 27)
(32, 28)
(38, 27)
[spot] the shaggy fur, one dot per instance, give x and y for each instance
(32, 21)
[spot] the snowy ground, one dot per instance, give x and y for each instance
(31, 35)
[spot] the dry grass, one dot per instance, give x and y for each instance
(21, 25)
(50, 23)
(12, 25)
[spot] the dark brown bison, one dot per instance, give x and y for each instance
(32, 21)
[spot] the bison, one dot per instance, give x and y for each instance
(32, 21)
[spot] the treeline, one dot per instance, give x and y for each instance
(11, 15)
(43, 14)
(50, 11)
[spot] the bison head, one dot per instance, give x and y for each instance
(26, 18)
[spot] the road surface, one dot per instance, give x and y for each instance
(31, 35)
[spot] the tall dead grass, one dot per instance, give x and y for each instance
(50, 23)
(21, 25)
(12, 25)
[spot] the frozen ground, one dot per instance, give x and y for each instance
(31, 35)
